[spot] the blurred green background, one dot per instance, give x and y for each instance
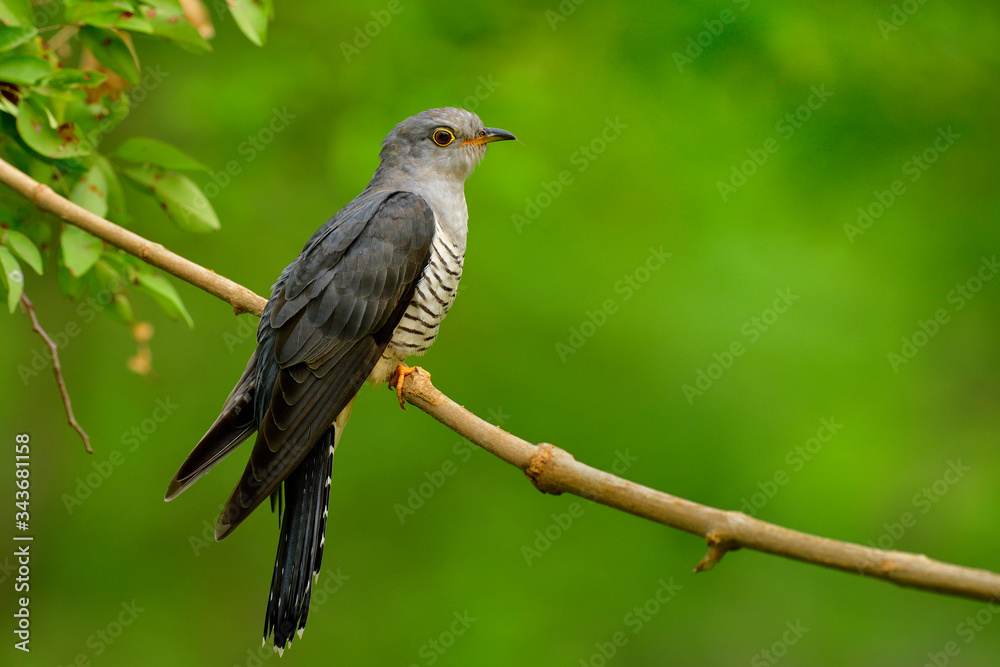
(645, 136)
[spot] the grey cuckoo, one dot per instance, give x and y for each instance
(370, 289)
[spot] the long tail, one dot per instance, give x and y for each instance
(300, 548)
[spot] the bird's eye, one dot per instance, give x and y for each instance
(442, 137)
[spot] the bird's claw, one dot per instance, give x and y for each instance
(396, 381)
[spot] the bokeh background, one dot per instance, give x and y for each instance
(869, 94)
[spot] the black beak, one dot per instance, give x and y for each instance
(489, 135)
(493, 134)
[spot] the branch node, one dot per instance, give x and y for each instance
(542, 465)
(40, 190)
(890, 564)
(718, 546)
(418, 385)
(149, 248)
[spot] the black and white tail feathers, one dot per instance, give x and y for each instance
(303, 511)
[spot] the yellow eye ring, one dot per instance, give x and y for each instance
(442, 136)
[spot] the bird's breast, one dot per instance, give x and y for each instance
(434, 295)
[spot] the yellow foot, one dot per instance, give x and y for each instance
(396, 381)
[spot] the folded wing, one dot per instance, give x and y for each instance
(329, 318)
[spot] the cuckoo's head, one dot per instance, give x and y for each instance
(446, 143)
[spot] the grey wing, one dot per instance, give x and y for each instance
(328, 323)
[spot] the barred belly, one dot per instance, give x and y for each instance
(435, 293)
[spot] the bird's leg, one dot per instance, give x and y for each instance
(396, 380)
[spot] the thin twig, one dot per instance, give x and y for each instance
(28, 309)
(553, 470)
(45, 198)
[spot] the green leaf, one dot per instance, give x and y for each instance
(122, 308)
(109, 15)
(70, 285)
(24, 69)
(11, 36)
(80, 250)
(169, 23)
(116, 197)
(91, 191)
(46, 173)
(251, 17)
(178, 196)
(13, 279)
(165, 295)
(171, 6)
(124, 264)
(8, 106)
(71, 79)
(108, 285)
(97, 119)
(78, 9)
(108, 47)
(44, 134)
(108, 282)
(76, 133)
(156, 152)
(16, 12)
(24, 247)
(12, 147)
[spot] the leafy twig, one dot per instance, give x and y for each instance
(28, 309)
(46, 199)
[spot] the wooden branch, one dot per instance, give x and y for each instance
(28, 309)
(240, 298)
(553, 470)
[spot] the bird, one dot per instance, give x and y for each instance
(369, 290)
